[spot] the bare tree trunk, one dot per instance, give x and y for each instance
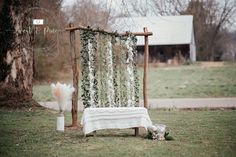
(16, 58)
(75, 79)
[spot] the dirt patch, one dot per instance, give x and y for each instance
(211, 64)
(12, 97)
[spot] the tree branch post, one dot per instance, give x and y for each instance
(145, 67)
(75, 78)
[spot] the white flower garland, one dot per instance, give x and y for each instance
(109, 75)
(91, 74)
(130, 70)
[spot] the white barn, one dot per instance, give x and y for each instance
(171, 34)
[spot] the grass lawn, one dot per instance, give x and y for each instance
(190, 81)
(197, 133)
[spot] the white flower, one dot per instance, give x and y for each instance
(152, 128)
(62, 93)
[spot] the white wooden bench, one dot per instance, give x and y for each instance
(115, 118)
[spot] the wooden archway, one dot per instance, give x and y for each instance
(74, 58)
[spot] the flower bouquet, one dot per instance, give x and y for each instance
(62, 93)
(158, 132)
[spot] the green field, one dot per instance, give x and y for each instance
(201, 133)
(189, 81)
(197, 134)
(192, 82)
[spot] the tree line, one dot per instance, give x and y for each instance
(213, 20)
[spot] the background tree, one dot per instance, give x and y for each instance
(230, 47)
(49, 49)
(16, 59)
(16, 51)
(212, 19)
(91, 13)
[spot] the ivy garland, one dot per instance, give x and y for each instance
(109, 72)
(123, 73)
(132, 78)
(89, 73)
(135, 72)
(100, 70)
(115, 59)
(103, 92)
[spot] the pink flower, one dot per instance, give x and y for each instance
(62, 93)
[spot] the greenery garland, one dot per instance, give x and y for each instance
(109, 74)
(135, 71)
(132, 80)
(115, 56)
(105, 61)
(123, 73)
(100, 68)
(89, 73)
(103, 70)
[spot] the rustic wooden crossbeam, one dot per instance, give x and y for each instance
(74, 28)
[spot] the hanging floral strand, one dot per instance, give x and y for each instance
(99, 69)
(89, 73)
(115, 59)
(103, 71)
(117, 51)
(109, 72)
(123, 72)
(135, 71)
(130, 79)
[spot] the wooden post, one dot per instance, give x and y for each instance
(145, 68)
(75, 78)
(136, 131)
(145, 34)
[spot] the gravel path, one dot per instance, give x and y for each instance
(179, 103)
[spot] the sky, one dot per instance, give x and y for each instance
(71, 2)
(68, 2)
(116, 4)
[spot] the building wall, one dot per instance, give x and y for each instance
(165, 53)
(192, 51)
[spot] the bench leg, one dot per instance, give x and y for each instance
(136, 131)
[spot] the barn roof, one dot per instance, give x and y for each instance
(167, 30)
